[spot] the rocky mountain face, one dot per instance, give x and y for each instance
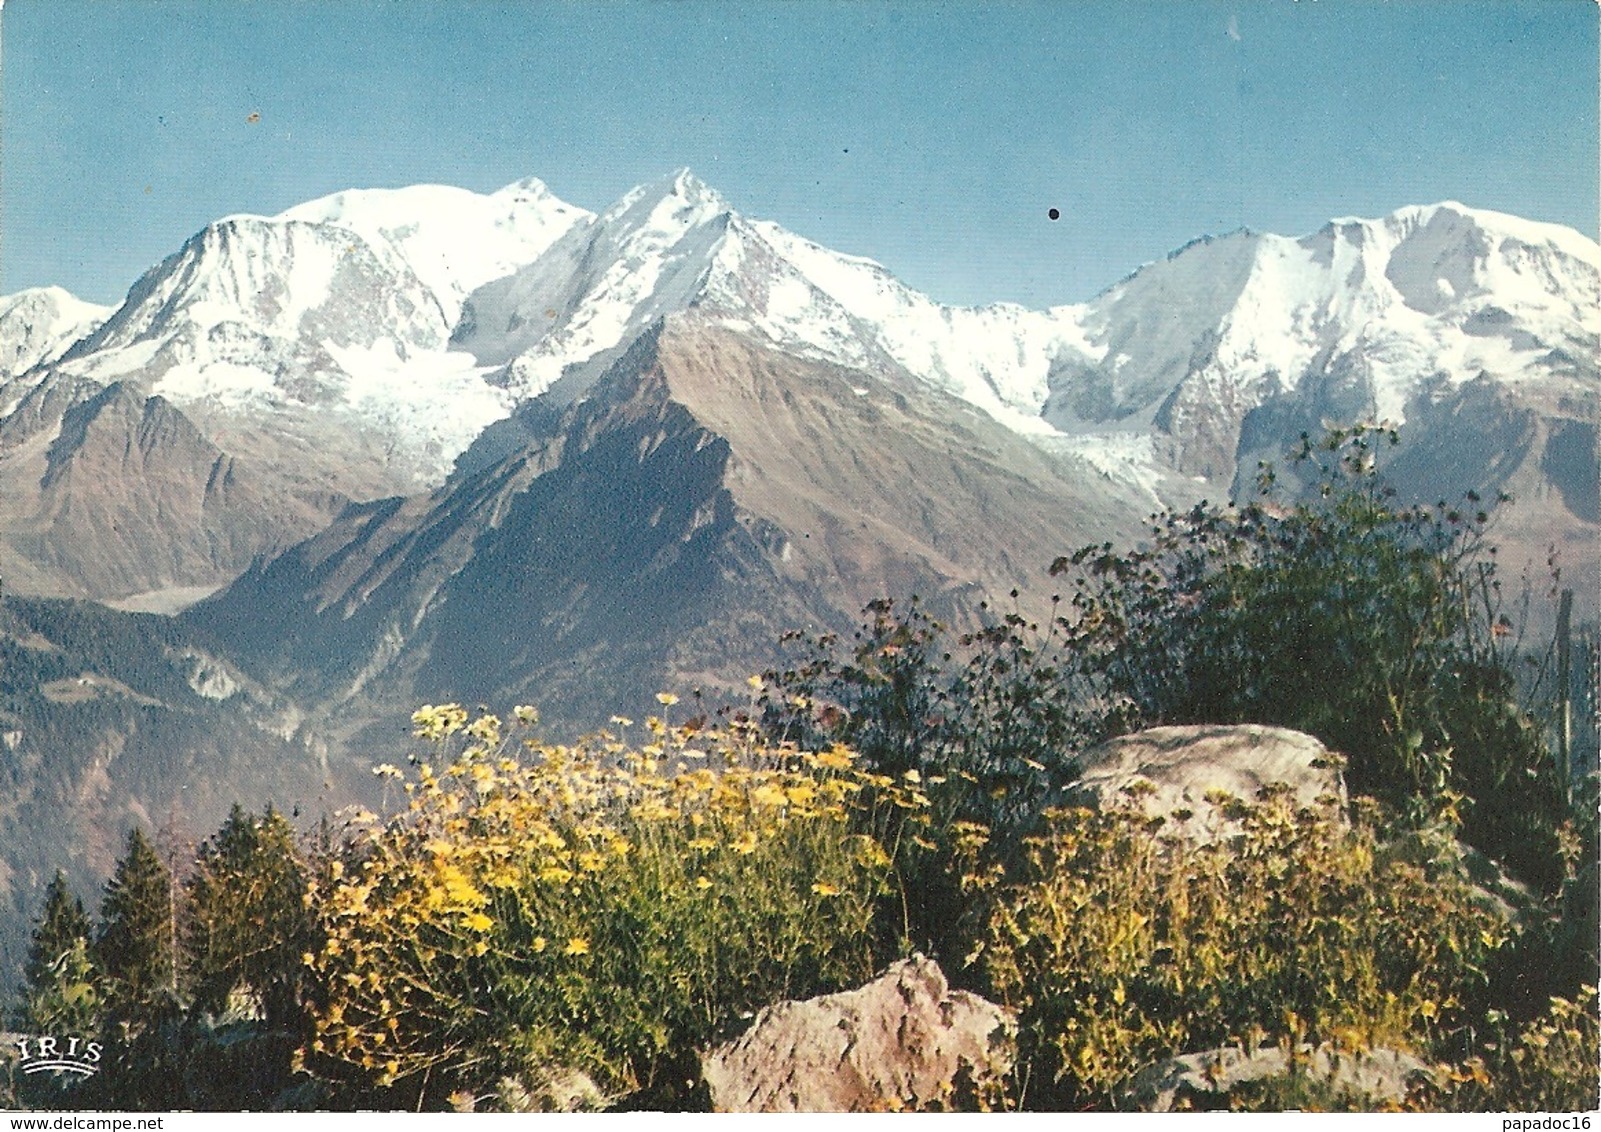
(707, 494)
(125, 495)
(307, 355)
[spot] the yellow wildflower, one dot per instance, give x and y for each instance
(666, 699)
(769, 795)
(576, 946)
(433, 722)
(823, 889)
(702, 882)
(839, 758)
(871, 853)
(458, 889)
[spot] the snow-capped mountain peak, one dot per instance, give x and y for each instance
(301, 330)
(529, 189)
(600, 285)
(1361, 317)
(333, 316)
(676, 243)
(1410, 219)
(37, 325)
(679, 197)
(455, 240)
(269, 280)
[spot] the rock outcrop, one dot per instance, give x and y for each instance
(903, 1041)
(1182, 765)
(1204, 1080)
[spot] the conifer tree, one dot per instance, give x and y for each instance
(247, 924)
(134, 946)
(61, 994)
(61, 923)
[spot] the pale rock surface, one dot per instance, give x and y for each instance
(1185, 764)
(903, 1041)
(1201, 1080)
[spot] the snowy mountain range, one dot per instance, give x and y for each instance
(408, 320)
(357, 345)
(346, 305)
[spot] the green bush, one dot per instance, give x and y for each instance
(994, 712)
(987, 720)
(1548, 1065)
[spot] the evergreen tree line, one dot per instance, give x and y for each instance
(172, 967)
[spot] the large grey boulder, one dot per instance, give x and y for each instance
(1365, 1080)
(1182, 765)
(903, 1041)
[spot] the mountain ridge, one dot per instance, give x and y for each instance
(702, 456)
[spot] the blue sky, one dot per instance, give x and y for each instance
(933, 137)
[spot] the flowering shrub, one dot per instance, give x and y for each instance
(1120, 947)
(608, 907)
